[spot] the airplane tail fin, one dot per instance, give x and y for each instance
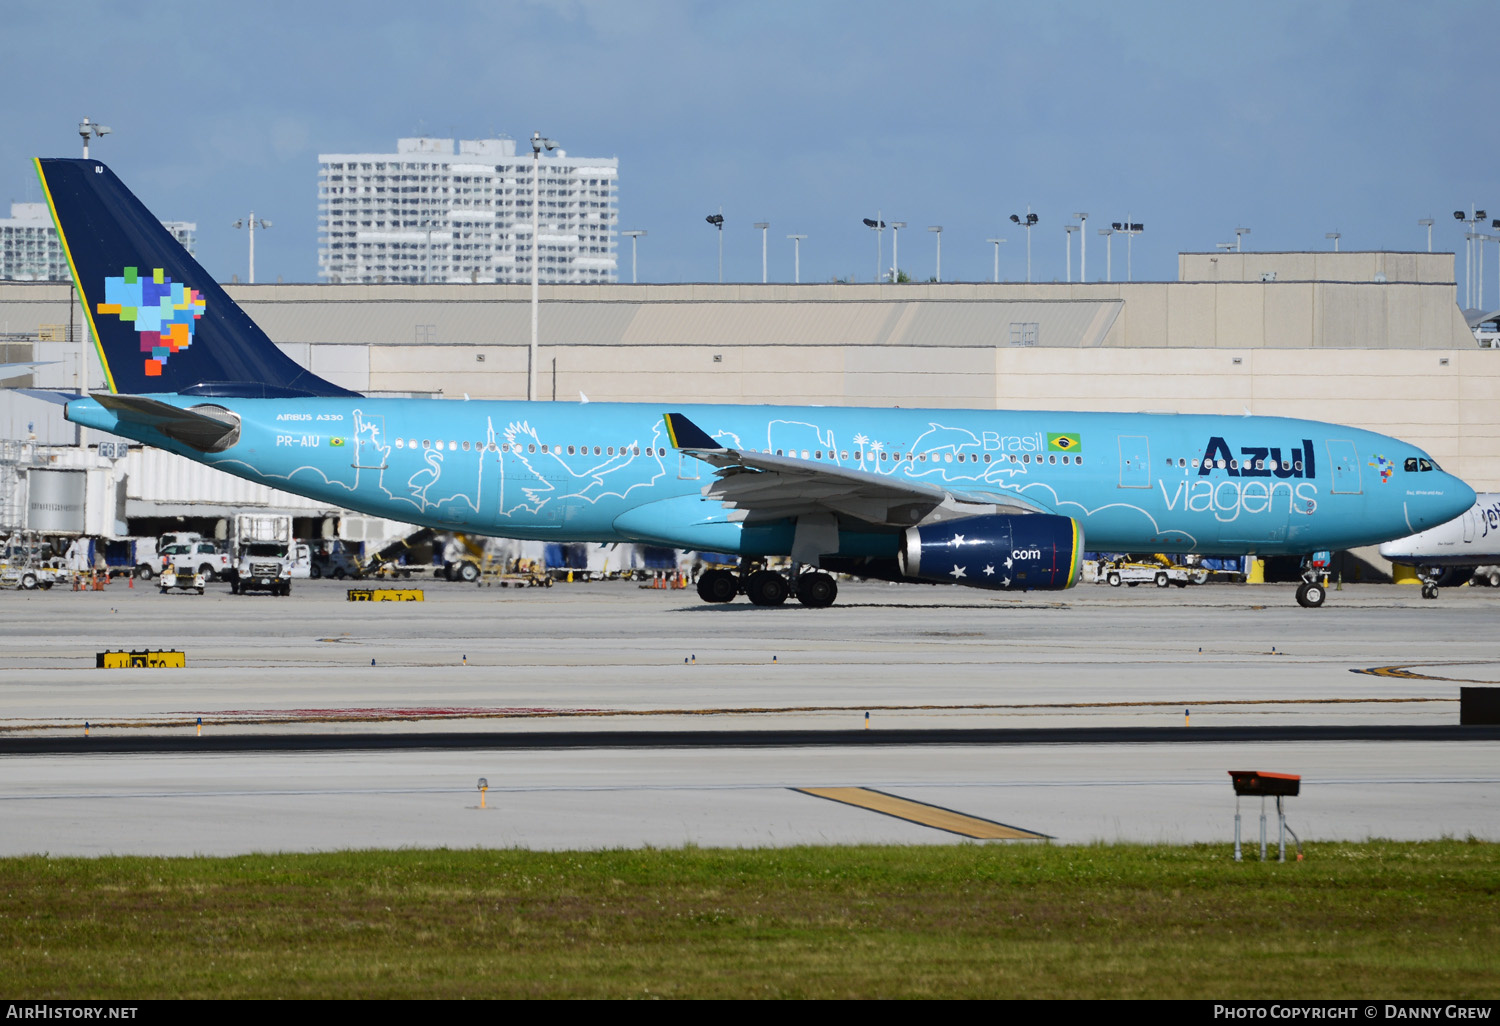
(160, 322)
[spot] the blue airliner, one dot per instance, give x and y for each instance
(985, 498)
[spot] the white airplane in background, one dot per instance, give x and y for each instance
(1453, 551)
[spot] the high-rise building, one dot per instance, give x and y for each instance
(29, 250)
(428, 214)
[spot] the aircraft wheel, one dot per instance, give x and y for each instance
(1113, 577)
(817, 591)
(767, 588)
(1311, 596)
(1429, 590)
(1162, 581)
(1493, 579)
(718, 586)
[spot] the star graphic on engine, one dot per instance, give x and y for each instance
(958, 572)
(958, 540)
(989, 571)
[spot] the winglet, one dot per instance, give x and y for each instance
(687, 435)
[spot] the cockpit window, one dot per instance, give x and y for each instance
(1425, 464)
(1411, 465)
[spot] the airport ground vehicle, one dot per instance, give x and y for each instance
(263, 553)
(331, 559)
(181, 578)
(27, 562)
(1160, 571)
(200, 555)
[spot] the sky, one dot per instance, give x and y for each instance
(1292, 119)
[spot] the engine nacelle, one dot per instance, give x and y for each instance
(1036, 551)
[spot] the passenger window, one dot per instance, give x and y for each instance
(843, 455)
(596, 450)
(1195, 461)
(1183, 463)
(1260, 464)
(531, 447)
(466, 445)
(1026, 458)
(426, 443)
(986, 457)
(544, 447)
(635, 450)
(570, 450)
(401, 443)
(921, 457)
(611, 450)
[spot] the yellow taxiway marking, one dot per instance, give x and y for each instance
(1405, 672)
(934, 816)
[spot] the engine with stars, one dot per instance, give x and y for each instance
(1034, 552)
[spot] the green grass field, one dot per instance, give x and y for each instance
(1379, 919)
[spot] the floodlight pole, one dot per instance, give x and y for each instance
(1426, 222)
(797, 257)
(997, 258)
(937, 230)
(1109, 253)
(1070, 229)
(252, 223)
(634, 234)
(537, 145)
(1083, 246)
(1239, 235)
(762, 225)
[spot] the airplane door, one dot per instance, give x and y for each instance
(1345, 459)
(1471, 520)
(1135, 461)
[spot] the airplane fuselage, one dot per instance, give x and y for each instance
(609, 472)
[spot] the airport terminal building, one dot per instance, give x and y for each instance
(1373, 340)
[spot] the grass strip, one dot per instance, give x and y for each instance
(1378, 919)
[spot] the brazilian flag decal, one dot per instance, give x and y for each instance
(1064, 443)
(335, 441)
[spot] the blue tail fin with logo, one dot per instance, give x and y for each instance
(160, 322)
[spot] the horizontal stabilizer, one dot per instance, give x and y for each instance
(208, 429)
(47, 395)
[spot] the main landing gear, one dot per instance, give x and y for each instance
(763, 587)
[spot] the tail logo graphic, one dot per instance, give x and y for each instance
(162, 311)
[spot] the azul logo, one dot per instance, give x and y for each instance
(162, 311)
(1385, 466)
(1259, 461)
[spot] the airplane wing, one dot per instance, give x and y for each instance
(764, 487)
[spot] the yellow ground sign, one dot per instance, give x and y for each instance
(386, 595)
(155, 658)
